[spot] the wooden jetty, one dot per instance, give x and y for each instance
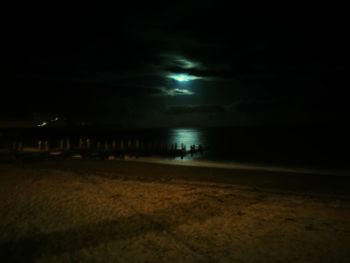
(103, 148)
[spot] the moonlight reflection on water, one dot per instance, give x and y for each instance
(186, 136)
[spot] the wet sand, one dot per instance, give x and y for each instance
(278, 180)
(114, 211)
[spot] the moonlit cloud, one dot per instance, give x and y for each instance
(163, 91)
(181, 62)
(179, 92)
(187, 64)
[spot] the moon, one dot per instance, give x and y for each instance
(183, 77)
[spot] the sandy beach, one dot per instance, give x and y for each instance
(115, 211)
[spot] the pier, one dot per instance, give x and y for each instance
(90, 148)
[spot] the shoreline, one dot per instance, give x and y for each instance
(200, 162)
(242, 166)
(156, 171)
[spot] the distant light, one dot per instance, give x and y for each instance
(55, 119)
(42, 124)
(182, 77)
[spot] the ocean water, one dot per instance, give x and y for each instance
(315, 146)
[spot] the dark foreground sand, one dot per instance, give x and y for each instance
(100, 211)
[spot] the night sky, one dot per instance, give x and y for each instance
(179, 63)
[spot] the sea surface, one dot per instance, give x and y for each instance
(314, 146)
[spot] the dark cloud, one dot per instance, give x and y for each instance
(259, 106)
(195, 109)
